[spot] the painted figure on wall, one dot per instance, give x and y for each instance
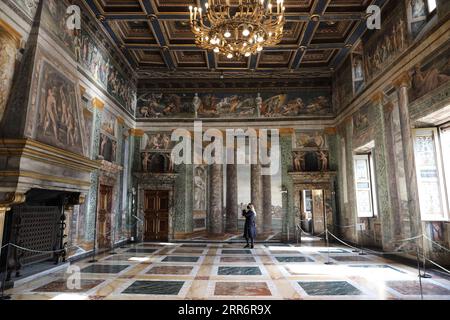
(59, 122)
(323, 159)
(418, 9)
(314, 139)
(199, 188)
(159, 141)
(153, 105)
(384, 46)
(430, 75)
(299, 161)
(108, 148)
(8, 49)
(109, 123)
(159, 105)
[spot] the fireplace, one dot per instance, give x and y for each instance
(36, 230)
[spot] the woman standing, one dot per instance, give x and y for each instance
(250, 225)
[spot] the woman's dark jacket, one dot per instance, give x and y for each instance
(250, 224)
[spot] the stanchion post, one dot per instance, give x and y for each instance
(2, 296)
(327, 239)
(114, 238)
(356, 230)
(418, 270)
(424, 274)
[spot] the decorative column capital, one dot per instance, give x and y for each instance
(330, 131)
(120, 120)
(98, 104)
(11, 199)
(404, 80)
(82, 90)
(377, 97)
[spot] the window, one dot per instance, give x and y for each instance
(365, 186)
(431, 5)
(430, 174)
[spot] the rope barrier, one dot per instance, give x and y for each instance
(370, 250)
(345, 227)
(437, 265)
(442, 247)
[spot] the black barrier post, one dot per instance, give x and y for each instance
(3, 296)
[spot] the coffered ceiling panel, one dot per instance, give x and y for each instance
(155, 36)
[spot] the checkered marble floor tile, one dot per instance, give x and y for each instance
(215, 271)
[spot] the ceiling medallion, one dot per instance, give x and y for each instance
(237, 31)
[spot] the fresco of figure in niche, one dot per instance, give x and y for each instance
(199, 188)
(8, 50)
(109, 123)
(342, 85)
(382, 47)
(361, 120)
(358, 75)
(159, 141)
(88, 124)
(108, 148)
(59, 124)
(431, 74)
(311, 139)
(417, 15)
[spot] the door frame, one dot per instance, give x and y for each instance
(140, 214)
(168, 214)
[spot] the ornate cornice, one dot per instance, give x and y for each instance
(136, 132)
(41, 152)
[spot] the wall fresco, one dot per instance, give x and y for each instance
(432, 73)
(158, 105)
(58, 124)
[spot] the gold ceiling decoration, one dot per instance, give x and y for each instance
(237, 31)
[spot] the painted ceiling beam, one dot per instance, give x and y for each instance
(317, 12)
(157, 31)
(293, 18)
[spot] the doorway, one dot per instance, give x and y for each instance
(312, 211)
(156, 216)
(104, 216)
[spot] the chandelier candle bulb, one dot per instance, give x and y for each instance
(237, 32)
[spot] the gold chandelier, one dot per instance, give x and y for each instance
(238, 31)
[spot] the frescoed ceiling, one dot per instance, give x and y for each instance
(155, 37)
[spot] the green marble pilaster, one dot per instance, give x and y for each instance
(288, 228)
(92, 196)
(381, 176)
(183, 201)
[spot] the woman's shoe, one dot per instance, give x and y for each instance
(247, 246)
(252, 247)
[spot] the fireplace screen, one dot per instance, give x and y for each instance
(36, 228)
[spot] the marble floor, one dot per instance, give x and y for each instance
(218, 271)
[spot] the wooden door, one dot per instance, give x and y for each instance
(156, 216)
(104, 216)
